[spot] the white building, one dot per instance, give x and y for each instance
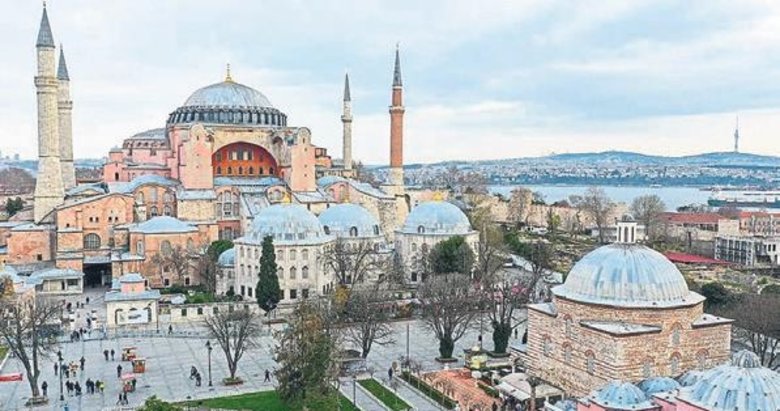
(130, 303)
(748, 250)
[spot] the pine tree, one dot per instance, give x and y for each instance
(267, 290)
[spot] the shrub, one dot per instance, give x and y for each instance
(429, 391)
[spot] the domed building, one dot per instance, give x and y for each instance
(427, 225)
(299, 241)
(624, 313)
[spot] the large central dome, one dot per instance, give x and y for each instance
(227, 94)
(627, 275)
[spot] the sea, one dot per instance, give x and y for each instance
(672, 197)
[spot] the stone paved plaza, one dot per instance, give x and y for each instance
(170, 358)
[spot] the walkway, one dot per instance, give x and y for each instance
(415, 398)
(364, 401)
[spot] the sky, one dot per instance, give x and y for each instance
(482, 80)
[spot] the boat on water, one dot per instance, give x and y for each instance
(745, 198)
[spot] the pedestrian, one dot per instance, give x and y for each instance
(133, 382)
(105, 354)
(56, 368)
(197, 380)
(44, 387)
(82, 361)
(77, 387)
(267, 376)
(88, 383)
(124, 398)
(170, 328)
(119, 401)
(63, 368)
(119, 371)
(494, 407)
(89, 324)
(69, 387)
(102, 386)
(390, 374)
(67, 371)
(193, 372)
(515, 333)
(112, 354)
(87, 300)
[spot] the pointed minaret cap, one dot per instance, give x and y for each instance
(397, 72)
(347, 96)
(62, 69)
(228, 77)
(45, 38)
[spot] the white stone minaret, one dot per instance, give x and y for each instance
(346, 121)
(49, 191)
(64, 110)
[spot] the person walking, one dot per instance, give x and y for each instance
(82, 361)
(267, 376)
(197, 380)
(44, 387)
(77, 387)
(193, 372)
(87, 300)
(119, 371)
(390, 374)
(105, 354)
(56, 369)
(124, 398)
(119, 401)
(112, 354)
(170, 329)
(90, 387)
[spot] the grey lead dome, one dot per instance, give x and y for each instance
(227, 94)
(627, 275)
(437, 217)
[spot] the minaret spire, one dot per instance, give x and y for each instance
(346, 122)
(397, 71)
(228, 77)
(62, 68)
(49, 191)
(64, 110)
(736, 137)
(397, 127)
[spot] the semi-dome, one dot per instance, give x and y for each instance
(228, 102)
(621, 396)
(655, 385)
(349, 220)
(287, 224)
(742, 385)
(227, 94)
(437, 218)
(627, 275)
(227, 258)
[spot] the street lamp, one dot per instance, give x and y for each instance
(354, 390)
(59, 359)
(209, 348)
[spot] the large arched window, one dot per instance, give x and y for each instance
(305, 272)
(676, 332)
(153, 211)
(547, 346)
(139, 247)
(567, 326)
(91, 241)
(165, 247)
(304, 254)
(167, 211)
(167, 197)
(567, 353)
(293, 273)
(293, 255)
(353, 232)
(139, 197)
(674, 364)
(590, 362)
(420, 230)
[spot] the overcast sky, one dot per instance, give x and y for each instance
(483, 79)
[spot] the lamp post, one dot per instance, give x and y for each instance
(354, 390)
(209, 348)
(59, 359)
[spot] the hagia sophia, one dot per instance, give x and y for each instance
(622, 332)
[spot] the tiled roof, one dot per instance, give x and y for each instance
(163, 224)
(691, 218)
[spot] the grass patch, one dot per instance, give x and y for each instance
(258, 401)
(3, 352)
(429, 391)
(387, 397)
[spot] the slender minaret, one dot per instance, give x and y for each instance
(736, 137)
(346, 122)
(48, 186)
(397, 126)
(64, 110)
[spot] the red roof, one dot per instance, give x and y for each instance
(692, 218)
(764, 214)
(686, 258)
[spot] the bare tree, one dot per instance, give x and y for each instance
(519, 205)
(176, 260)
(449, 304)
(756, 324)
(597, 205)
(25, 329)
(353, 261)
(647, 210)
(235, 332)
(366, 318)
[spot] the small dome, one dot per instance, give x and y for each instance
(655, 385)
(621, 396)
(287, 224)
(437, 218)
(689, 378)
(741, 385)
(227, 94)
(627, 275)
(163, 225)
(349, 220)
(227, 258)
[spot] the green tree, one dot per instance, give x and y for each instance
(267, 290)
(453, 255)
(155, 404)
(218, 247)
(771, 289)
(13, 206)
(717, 295)
(647, 209)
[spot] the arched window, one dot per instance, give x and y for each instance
(167, 197)
(165, 247)
(139, 197)
(647, 368)
(567, 353)
(293, 273)
(305, 254)
(305, 272)
(590, 362)
(153, 211)
(547, 346)
(91, 241)
(674, 364)
(280, 272)
(701, 359)
(376, 230)
(139, 247)
(219, 170)
(567, 324)
(240, 170)
(167, 210)
(420, 230)
(414, 247)
(251, 170)
(353, 232)
(280, 255)
(228, 233)
(260, 170)
(326, 229)
(676, 331)
(153, 194)
(293, 255)
(230, 170)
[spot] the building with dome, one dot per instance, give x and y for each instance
(624, 313)
(214, 166)
(427, 225)
(741, 384)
